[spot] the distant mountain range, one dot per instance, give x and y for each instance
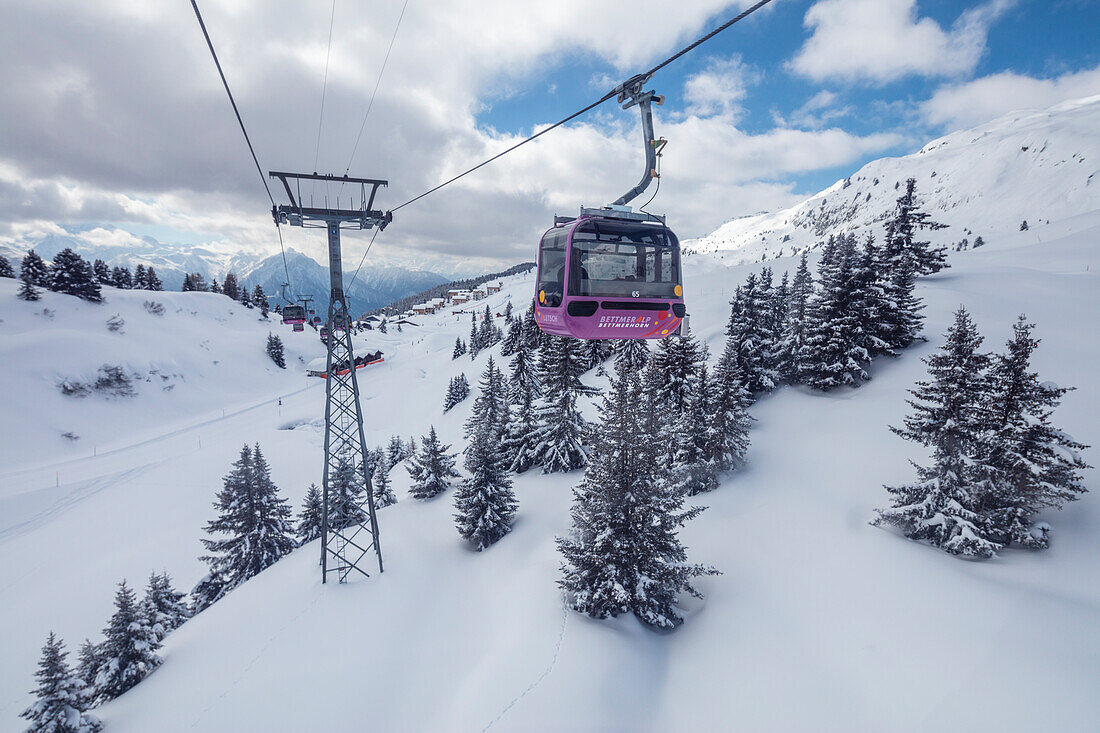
(375, 286)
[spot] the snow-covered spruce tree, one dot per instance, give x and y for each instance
(246, 297)
(748, 327)
(140, 281)
(396, 451)
(309, 518)
(121, 278)
(129, 649)
(457, 391)
(531, 331)
(475, 337)
(1023, 225)
(61, 696)
(380, 485)
(631, 355)
(27, 291)
(623, 554)
(513, 336)
(275, 350)
(382, 327)
(255, 520)
(942, 507)
(523, 383)
(729, 422)
(1031, 464)
(902, 322)
(901, 228)
(432, 468)
(71, 274)
(832, 349)
(163, 607)
(791, 355)
(692, 470)
(460, 348)
(485, 505)
(152, 282)
(345, 495)
(101, 272)
(33, 269)
(520, 438)
(678, 361)
(259, 298)
(489, 332)
(231, 288)
(872, 304)
(559, 433)
(89, 658)
(6, 270)
(491, 405)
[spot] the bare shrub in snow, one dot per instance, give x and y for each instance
(115, 323)
(154, 308)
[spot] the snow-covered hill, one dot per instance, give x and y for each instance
(1036, 166)
(819, 621)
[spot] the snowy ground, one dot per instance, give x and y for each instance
(819, 622)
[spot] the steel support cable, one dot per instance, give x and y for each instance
(248, 140)
(324, 89)
(361, 260)
(740, 16)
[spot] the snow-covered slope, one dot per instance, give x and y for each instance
(1031, 165)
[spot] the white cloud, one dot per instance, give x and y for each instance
(884, 40)
(719, 88)
(965, 105)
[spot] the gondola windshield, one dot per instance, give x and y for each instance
(623, 260)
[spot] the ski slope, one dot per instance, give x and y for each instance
(819, 621)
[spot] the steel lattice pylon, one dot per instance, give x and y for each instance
(344, 549)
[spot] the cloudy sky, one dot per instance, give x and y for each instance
(112, 117)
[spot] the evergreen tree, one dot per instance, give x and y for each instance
(231, 288)
(255, 519)
(432, 468)
(508, 312)
(900, 243)
(520, 438)
(693, 471)
(460, 348)
(163, 608)
(475, 336)
(979, 242)
(560, 429)
(188, 283)
(792, 356)
(902, 321)
(121, 278)
(152, 282)
(101, 272)
(383, 494)
(395, 452)
(457, 391)
(485, 505)
(27, 291)
(833, 352)
(309, 519)
(88, 662)
(729, 422)
(871, 302)
(61, 697)
(1023, 225)
(71, 275)
(631, 355)
(383, 328)
(245, 299)
(275, 350)
(491, 405)
(34, 270)
(140, 281)
(531, 331)
(510, 344)
(523, 383)
(749, 327)
(6, 270)
(488, 330)
(259, 297)
(129, 650)
(942, 506)
(678, 361)
(1030, 464)
(623, 554)
(346, 487)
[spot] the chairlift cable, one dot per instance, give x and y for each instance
(324, 89)
(740, 16)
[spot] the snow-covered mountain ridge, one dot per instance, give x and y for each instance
(1029, 165)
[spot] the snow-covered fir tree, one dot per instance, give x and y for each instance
(491, 405)
(27, 291)
(140, 282)
(729, 422)
(72, 275)
(33, 269)
(61, 696)
(508, 312)
(89, 658)
(163, 607)
(152, 282)
(833, 354)
(346, 489)
(382, 327)
(432, 468)
(231, 288)
(531, 331)
(900, 242)
(489, 332)
(396, 451)
(101, 272)
(129, 649)
(309, 518)
(521, 436)
(259, 298)
(871, 303)
(901, 320)
(255, 521)
(460, 348)
(6, 270)
(791, 359)
(1030, 464)
(485, 505)
(631, 355)
(275, 350)
(475, 337)
(623, 554)
(246, 298)
(457, 390)
(523, 382)
(121, 278)
(943, 506)
(678, 361)
(513, 336)
(749, 327)
(558, 438)
(380, 486)
(693, 472)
